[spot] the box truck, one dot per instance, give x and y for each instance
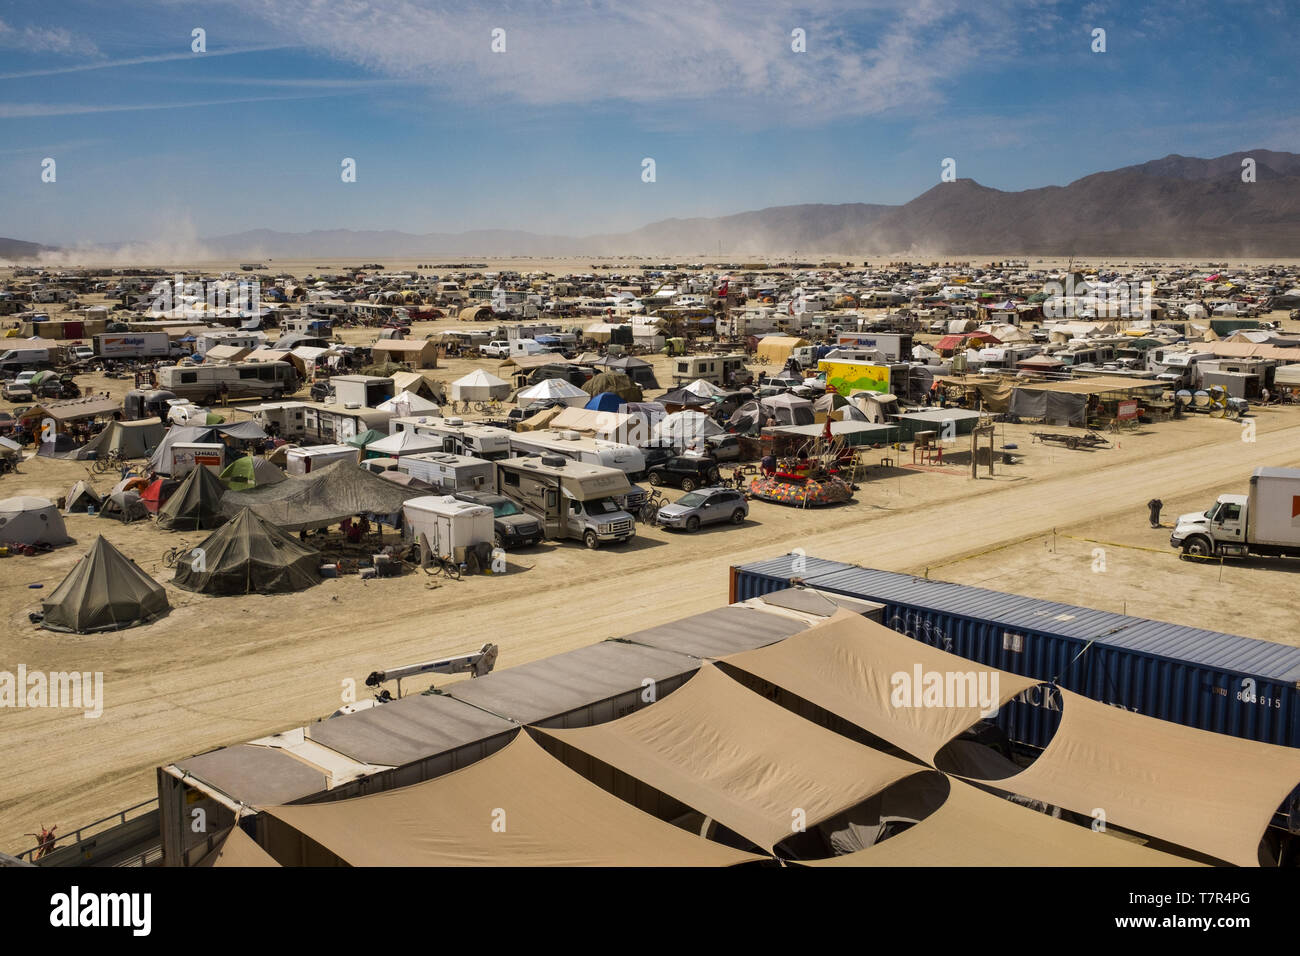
(1264, 521)
(132, 345)
(572, 500)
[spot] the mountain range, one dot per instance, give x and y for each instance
(1178, 206)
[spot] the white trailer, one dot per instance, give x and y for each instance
(572, 445)
(133, 345)
(303, 461)
(186, 456)
(451, 473)
(447, 524)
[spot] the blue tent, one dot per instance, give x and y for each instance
(605, 402)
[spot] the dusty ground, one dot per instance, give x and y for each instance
(221, 670)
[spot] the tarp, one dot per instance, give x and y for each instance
(518, 807)
(243, 431)
(776, 349)
(1210, 792)
(846, 664)
(237, 848)
(249, 472)
(29, 520)
(1053, 408)
(615, 382)
(739, 759)
(974, 828)
(601, 424)
(365, 438)
(105, 591)
(542, 419)
(195, 505)
(248, 556)
(686, 398)
(682, 428)
(324, 497)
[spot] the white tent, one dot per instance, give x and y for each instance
(685, 428)
(404, 443)
(479, 386)
(554, 388)
(405, 404)
(704, 389)
(30, 520)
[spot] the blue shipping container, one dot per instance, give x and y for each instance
(1205, 679)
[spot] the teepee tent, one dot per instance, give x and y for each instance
(30, 520)
(195, 505)
(248, 555)
(104, 592)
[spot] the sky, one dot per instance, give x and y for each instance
(152, 140)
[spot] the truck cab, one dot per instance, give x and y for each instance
(1261, 522)
(1219, 530)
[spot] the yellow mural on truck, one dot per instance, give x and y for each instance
(850, 377)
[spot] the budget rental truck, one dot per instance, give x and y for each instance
(1264, 521)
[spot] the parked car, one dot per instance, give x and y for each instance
(512, 527)
(686, 472)
(723, 447)
(706, 506)
(17, 391)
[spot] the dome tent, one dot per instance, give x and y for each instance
(248, 555)
(249, 472)
(195, 505)
(30, 520)
(479, 386)
(106, 591)
(81, 497)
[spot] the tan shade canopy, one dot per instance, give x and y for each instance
(974, 828)
(518, 807)
(847, 664)
(742, 760)
(1197, 789)
(237, 848)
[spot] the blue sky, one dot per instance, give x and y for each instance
(153, 140)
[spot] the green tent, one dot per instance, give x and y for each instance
(249, 472)
(104, 592)
(248, 555)
(365, 438)
(195, 505)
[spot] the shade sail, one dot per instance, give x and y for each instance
(237, 848)
(322, 498)
(518, 807)
(740, 759)
(974, 828)
(846, 665)
(1210, 792)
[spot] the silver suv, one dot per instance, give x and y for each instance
(706, 506)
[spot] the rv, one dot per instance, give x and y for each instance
(573, 500)
(450, 473)
(892, 346)
(240, 340)
(459, 438)
(725, 371)
(204, 383)
(592, 451)
(332, 423)
(303, 461)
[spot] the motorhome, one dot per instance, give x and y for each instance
(458, 437)
(334, 423)
(206, 384)
(450, 473)
(572, 445)
(572, 500)
(1178, 367)
(240, 340)
(724, 371)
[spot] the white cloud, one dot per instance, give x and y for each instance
(46, 40)
(864, 57)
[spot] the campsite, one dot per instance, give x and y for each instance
(265, 598)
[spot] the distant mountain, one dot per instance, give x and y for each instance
(1176, 206)
(15, 250)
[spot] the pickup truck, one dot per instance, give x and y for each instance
(498, 349)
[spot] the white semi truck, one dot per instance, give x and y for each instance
(1264, 521)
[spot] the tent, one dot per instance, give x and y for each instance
(243, 431)
(195, 505)
(613, 382)
(365, 438)
(685, 398)
(132, 439)
(552, 388)
(403, 443)
(248, 472)
(604, 402)
(320, 499)
(479, 386)
(248, 555)
(161, 460)
(81, 497)
(124, 506)
(639, 371)
(406, 404)
(30, 520)
(105, 591)
(684, 428)
(787, 410)
(704, 389)
(542, 419)
(155, 493)
(776, 349)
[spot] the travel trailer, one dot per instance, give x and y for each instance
(450, 473)
(724, 371)
(204, 383)
(573, 500)
(459, 438)
(303, 461)
(592, 451)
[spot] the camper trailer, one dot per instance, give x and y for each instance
(303, 461)
(362, 391)
(240, 340)
(206, 384)
(459, 438)
(450, 473)
(333, 423)
(573, 500)
(186, 456)
(725, 371)
(572, 445)
(449, 526)
(892, 346)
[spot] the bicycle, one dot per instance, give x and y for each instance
(172, 555)
(490, 406)
(444, 566)
(649, 510)
(112, 461)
